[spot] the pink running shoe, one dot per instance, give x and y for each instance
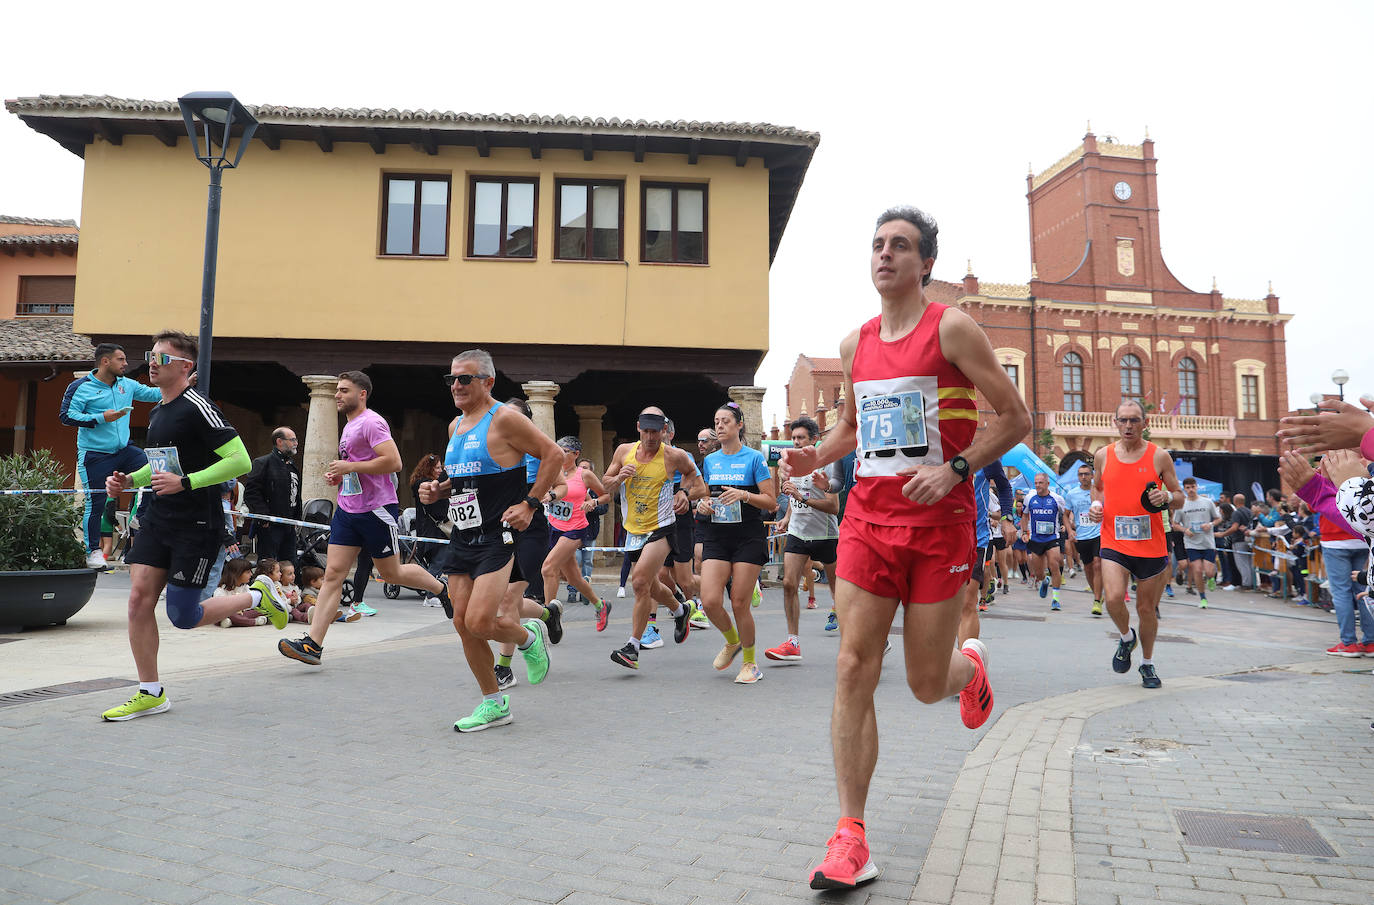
(847, 862)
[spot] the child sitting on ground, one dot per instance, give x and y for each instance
(235, 580)
(288, 584)
(312, 578)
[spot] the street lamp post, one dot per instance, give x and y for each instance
(1340, 379)
(210, 119)
(1317, 399)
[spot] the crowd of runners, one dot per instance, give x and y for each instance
(930, 524)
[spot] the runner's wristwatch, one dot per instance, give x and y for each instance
(534, 504)
(960, 466)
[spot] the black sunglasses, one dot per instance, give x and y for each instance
(463, 379)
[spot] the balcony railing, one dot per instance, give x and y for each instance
(1183, 427)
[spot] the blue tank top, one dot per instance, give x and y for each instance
(1044, 518)
(746, 470)
(482, 490)
(531, 468)
(980, 499)
(1079, 502)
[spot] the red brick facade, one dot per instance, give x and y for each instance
(1100, 290)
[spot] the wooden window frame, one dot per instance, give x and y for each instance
(1245, 410)
(1071, 395)
(673, 231)
(505, 182)
(588, 184)
(1187, 402)
(419, 179)
(1138, 370)
(21, 302)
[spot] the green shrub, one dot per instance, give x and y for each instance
(38, 531)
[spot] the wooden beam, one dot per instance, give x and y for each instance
(48, 250)
(742, 154)
(166, 134)
(268, 137)
(427, 140)
(110, 132)
(640, 142)
(483, 146)
(374, 138)
(693, 150)
(323, 139)
(588, 147)
(535, 149)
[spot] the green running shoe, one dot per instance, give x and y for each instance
(758, 596)
(1211, 584)
(698, 618)
(364, 609)
(141, 704)
(537, 654)
(272, 605)
(488, 715)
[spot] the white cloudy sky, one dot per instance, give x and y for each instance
(1261, 114)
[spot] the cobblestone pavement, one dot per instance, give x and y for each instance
(269, 782)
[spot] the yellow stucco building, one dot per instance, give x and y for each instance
(605, 264)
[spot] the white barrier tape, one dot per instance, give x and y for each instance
(277, 520)
(38, 492)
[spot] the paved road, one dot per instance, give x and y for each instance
(272, 783)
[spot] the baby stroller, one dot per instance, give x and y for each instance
(422, 554)
(312, 544)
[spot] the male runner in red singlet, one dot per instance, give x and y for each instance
(907, 538)
(1135, 483)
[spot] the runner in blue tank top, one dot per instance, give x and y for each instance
(1045, 517)
(488, 505)
(1086, 534)
(974, 599)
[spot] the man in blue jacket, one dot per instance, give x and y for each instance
(98, 406)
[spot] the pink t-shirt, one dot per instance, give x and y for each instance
(358, 443)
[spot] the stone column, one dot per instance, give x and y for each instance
(321, 438)
(589, 431)
(540, 394)
(750, 401)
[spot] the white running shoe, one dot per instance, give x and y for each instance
(96, 560)
(620, 592)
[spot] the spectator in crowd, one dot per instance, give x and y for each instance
(273, 487)
(1226, 564)
(235, 579)
(431, 519)
(312, 579)
(98, 405)
(288, 584)
(1242, 520)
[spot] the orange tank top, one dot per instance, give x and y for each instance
(1127, 526)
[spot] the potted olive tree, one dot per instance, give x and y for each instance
(43, 574)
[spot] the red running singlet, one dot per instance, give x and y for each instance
(1127, 526)
(913, 408)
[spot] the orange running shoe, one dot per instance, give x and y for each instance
(847, 862)
(788, 650)
(975, 701)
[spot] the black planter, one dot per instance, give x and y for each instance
(44, 598)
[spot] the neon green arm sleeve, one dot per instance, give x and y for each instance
(143, 477)
(233, 463)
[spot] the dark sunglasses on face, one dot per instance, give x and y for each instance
(463, 379)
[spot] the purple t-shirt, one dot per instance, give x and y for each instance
(358, 443)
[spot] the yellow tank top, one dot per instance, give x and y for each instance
(646, 499)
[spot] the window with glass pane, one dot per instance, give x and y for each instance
(1132, 377)
(46, 295)
(1014, 372)
(590, 221)
(502, 218)
(674, 224)
(1187, 387)
(416, 218)
(1249, 396)
(1073, 382)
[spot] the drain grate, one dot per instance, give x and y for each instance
(30, 695)
(1252, 833)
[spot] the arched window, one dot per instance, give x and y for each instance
(1187, 387)
(1132, 377)
(1073, 382)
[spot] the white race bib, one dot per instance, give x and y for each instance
(559, 509)
(634, 541)
(1197, 527)
(349, 485)
(165, 458)
(892, 422)
(1043, 527)
(464, 512)
(1084, 519)
(725, 513)
(1133, 527)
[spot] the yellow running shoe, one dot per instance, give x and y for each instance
(141, 704)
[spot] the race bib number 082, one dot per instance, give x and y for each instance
(464, 511)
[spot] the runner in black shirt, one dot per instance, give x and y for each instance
(191, 451)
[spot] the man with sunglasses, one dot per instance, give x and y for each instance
(191, 451)
(98, 405)
(1135, 483)
(489, 504)
(366, 517)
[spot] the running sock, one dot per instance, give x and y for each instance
(794, 639)
(749, 654)
(503, 659)
(677, 612)
(732, 636)
(854, 826)
(1055, 596)
(256, 595)
(635, 642)
(152, 688)
(1147, 661)
(1128, 636)
(494, 696)
(529, 639)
